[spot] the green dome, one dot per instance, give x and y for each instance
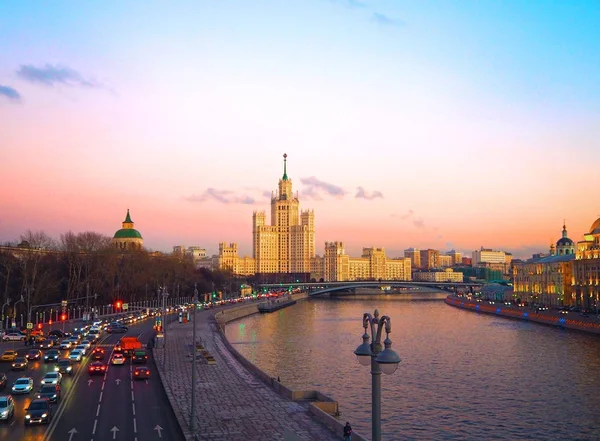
(128, 233)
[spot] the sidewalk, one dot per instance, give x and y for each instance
(231, 404)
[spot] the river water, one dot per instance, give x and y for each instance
(463, 376)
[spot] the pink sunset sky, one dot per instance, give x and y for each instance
(403, 128)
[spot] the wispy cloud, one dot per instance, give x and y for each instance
(10, 93)
(417, 221)
(314, 187)
(384, 20)
(362, 194)
(50, 75)
(222, 196)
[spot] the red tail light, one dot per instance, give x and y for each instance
(137, 373)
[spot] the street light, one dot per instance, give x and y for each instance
(193, 409)
(385, 361)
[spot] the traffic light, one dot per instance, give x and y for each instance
(214, 295)
(39, 326)
(63, 317)
(119, 304)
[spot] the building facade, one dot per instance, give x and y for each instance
(430, 259)
(128, 238)
(547, 279)
(447, 275)
(415, 257)
(586, 269)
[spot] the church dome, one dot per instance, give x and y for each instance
(564, 242)
(127, 233)
(595, 227)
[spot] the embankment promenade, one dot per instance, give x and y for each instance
(570, 320)
(235, 400)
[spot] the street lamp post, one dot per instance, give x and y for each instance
(15, 309)
(385, 361)
(193, 410)
(4, 306)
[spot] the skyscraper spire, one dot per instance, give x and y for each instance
(285, 178)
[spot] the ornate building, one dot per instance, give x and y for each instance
(547, 279)
(128, 238)
(586, 269)
(287, 246)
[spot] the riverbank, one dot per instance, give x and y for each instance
(558, 319)
(321, 407)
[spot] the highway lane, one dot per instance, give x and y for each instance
(114, 406)
(16, 429)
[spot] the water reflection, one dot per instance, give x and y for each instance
(463, 376)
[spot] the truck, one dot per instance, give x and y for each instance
(128, 345)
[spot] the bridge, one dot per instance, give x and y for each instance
(320, 288)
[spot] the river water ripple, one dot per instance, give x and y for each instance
(463, 376)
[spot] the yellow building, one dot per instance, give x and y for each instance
(447, 275)
(415, 257)
(372, 265)
(547, 280)
(586, 269)
(128, 238)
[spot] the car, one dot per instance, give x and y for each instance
(116, 329)
(66, 344)
(74, 340)
(87, 344)
(22, 385)
(58, 333)
(14, 336)
(9, 355)
(19, 364)
(118, 359)
(98, 354)
(3, 380)
(51, 355)
(141, 373)
(46, 343)
(75, 355)
(39, 411)
(34, 354)
(64, 366)
(81, 348)
(52, 378)
(140, 357)
(7, 407)
(97, 367)
(49, 391)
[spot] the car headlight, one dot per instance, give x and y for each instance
(44, 415)
(53, 381)
(54, 396)
(45, 357)
(27, 417)
(4, 413)
(56, 369)
(69, 368)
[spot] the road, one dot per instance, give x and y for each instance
(112, 406)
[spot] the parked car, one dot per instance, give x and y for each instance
(13, 336)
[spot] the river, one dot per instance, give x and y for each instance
(463, 376)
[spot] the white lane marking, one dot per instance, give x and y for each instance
(102, 386)
(134, 426)
(98, 411)
(133, 407)
(100, 399)
(94, 429)
(132, 398)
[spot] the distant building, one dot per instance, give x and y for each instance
(445, 261)
(586, 269)
(128, 238)
(496, 260)
(447, 275)
(430, 259)
(456, 257)
(467, 261)
(415, 257)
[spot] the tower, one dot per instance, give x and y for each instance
(128, 238)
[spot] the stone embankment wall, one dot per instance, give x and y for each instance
(320, 406)
(553, 318)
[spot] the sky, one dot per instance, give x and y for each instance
(427, 124)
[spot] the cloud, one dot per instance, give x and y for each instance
(10, 93)
(419, 223)
(408, 214)
(222, 196)
(384, 20)
(362, 194)
(314, 187)
(50, 75)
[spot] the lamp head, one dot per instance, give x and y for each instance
(363, 351)
(388, 359)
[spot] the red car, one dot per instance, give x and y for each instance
(141, 373)
(98, 354)
(97, 368)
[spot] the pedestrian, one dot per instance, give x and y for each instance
(347, 432)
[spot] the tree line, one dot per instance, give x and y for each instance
(38, 269)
